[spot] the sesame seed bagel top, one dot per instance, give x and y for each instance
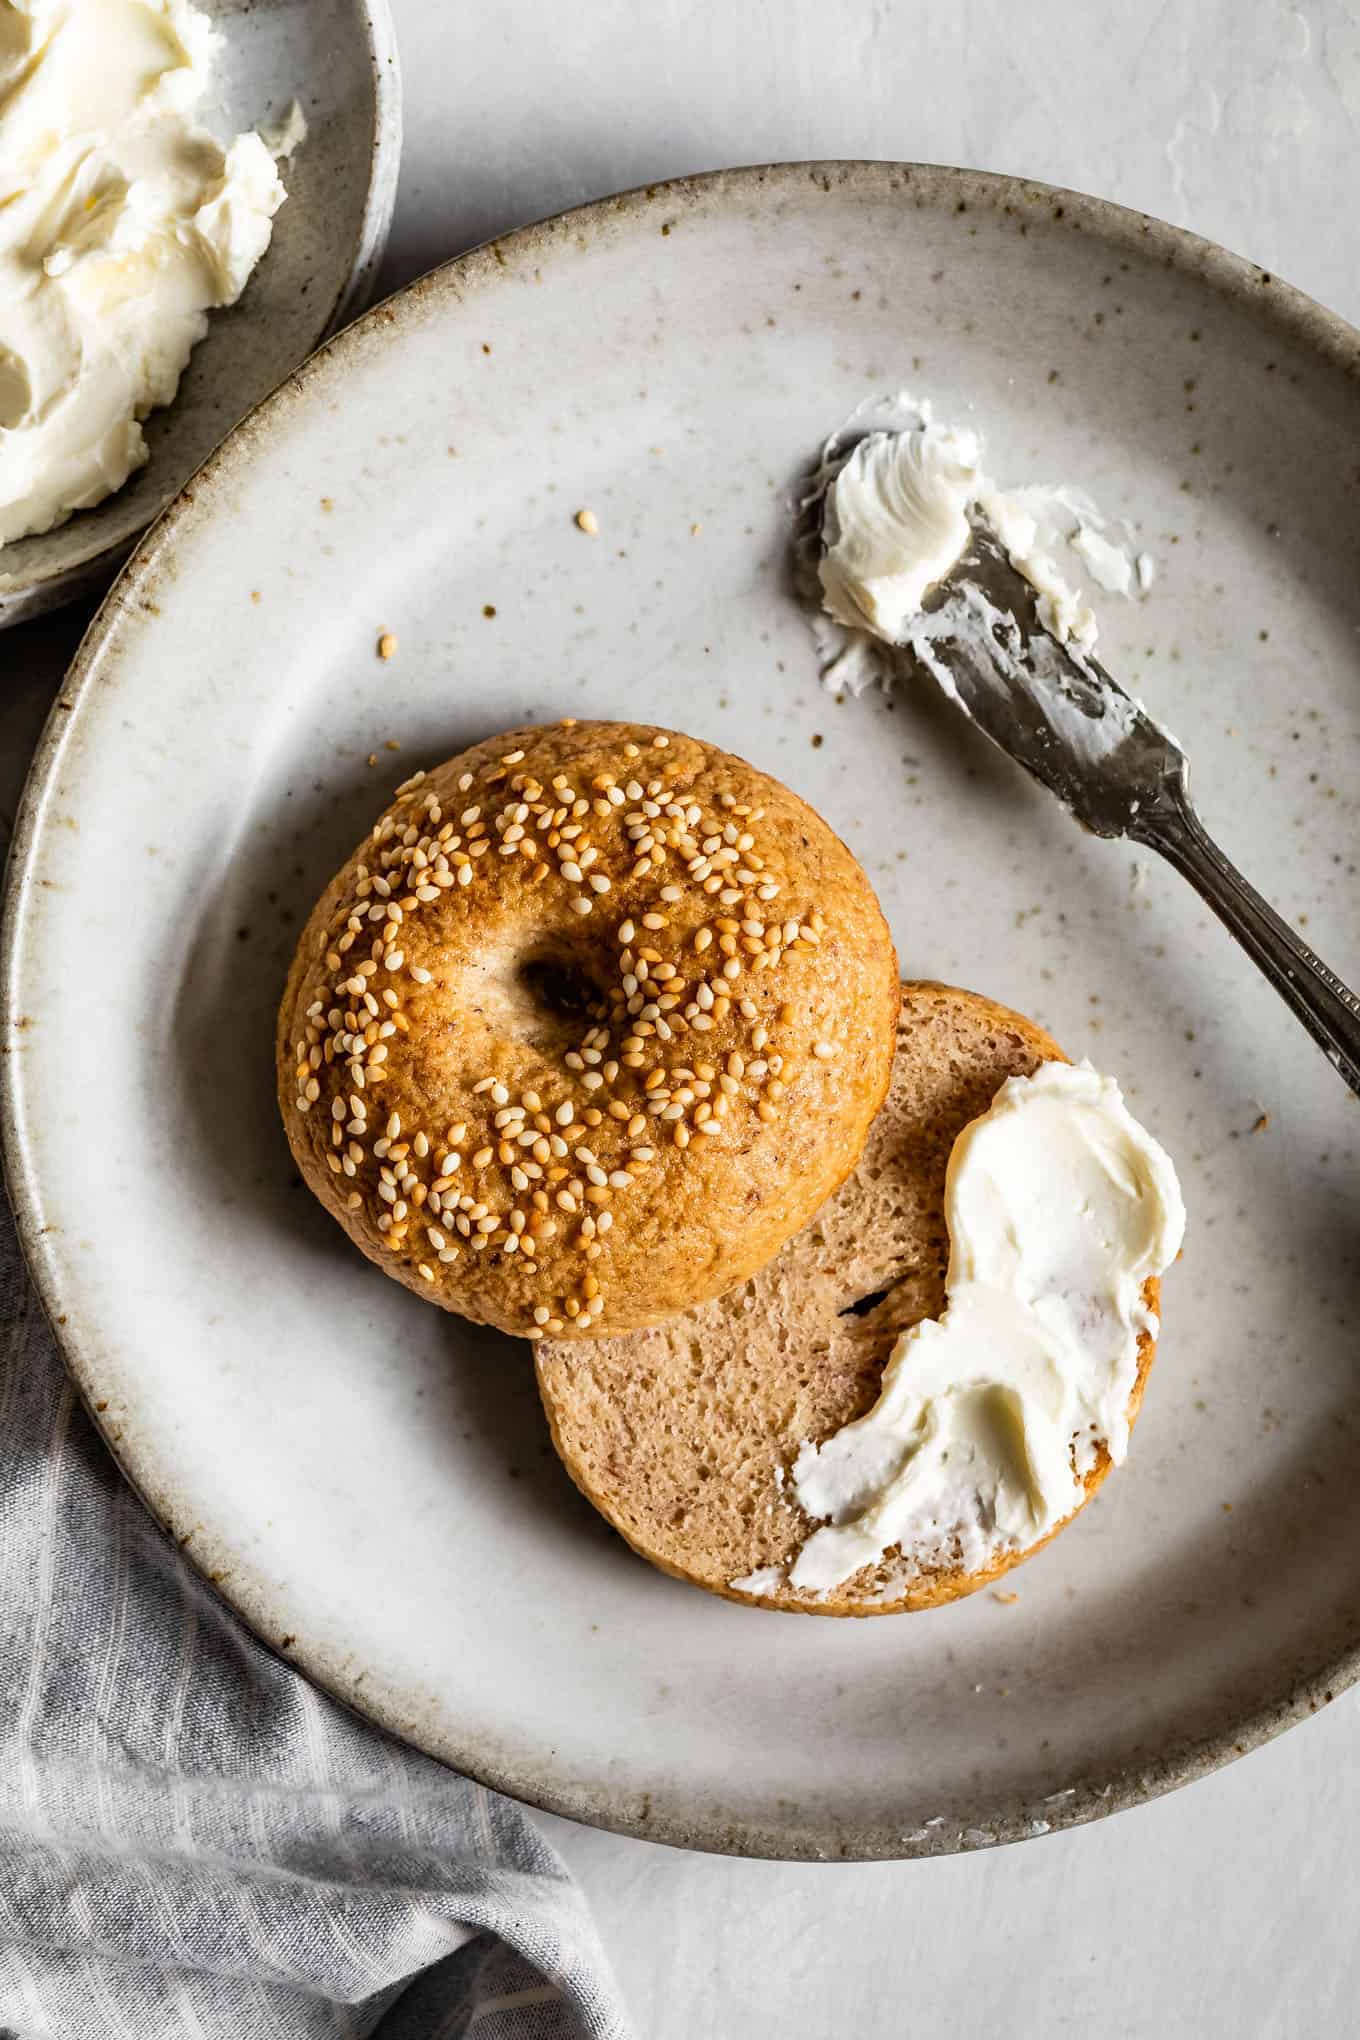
(586, 1028)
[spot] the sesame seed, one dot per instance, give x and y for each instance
(826, 1050)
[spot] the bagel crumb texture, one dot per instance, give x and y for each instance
(588, 1026)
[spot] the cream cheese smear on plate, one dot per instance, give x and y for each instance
(123, 223)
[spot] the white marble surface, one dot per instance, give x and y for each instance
(1228, 1908)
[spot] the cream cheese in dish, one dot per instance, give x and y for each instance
(122, 224)
(1060, 1207)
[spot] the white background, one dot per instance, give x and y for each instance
(1230, 1908)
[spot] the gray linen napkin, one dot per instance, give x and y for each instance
(193, 1842)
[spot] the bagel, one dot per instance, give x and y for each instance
(688, 1438)
(589, 1024)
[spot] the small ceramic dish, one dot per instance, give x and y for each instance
(338, 59)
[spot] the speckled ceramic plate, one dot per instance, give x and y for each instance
(338, 59)
(370, 1483)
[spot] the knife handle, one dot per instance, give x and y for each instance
(1328, 1008)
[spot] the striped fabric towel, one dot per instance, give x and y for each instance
(194, 1843)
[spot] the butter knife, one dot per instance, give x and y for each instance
(1055, 710)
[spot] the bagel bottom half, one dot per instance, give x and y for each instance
(681, 1435)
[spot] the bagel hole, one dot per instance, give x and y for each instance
(559, 986)
(549, 996)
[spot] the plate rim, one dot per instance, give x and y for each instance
(43, 591)
(1181, 1762)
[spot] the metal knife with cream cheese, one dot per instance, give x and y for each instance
(1010, 641)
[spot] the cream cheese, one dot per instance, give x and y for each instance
(895, 520)
(122, 223)
(1060, 1207)
(1106, 562)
